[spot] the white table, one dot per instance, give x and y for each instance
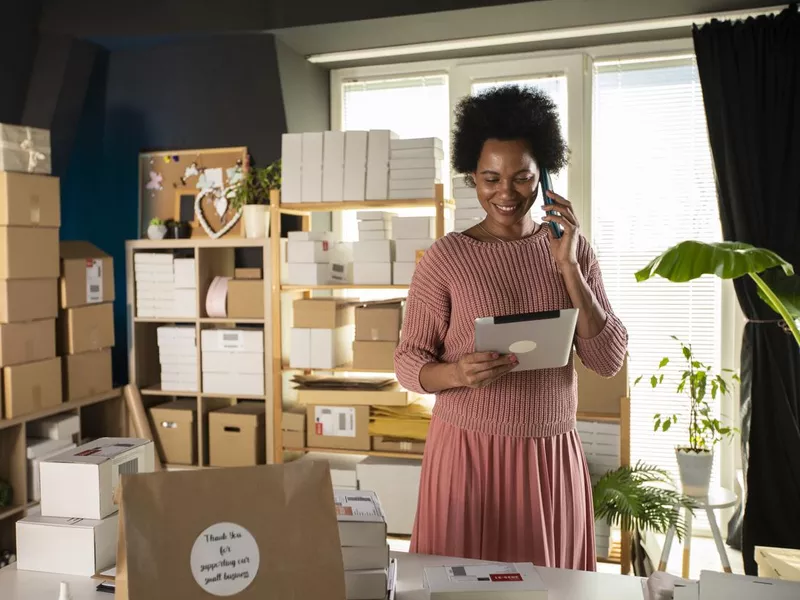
(717, 498)
(561, 584)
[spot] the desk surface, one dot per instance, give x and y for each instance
(561, 584)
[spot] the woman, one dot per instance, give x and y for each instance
(504, 477)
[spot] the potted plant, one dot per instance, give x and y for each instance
(156, 230)
(251, 195)
(705, 430)
(179, 229)
(637, 498)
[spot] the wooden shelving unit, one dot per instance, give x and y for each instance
(279, 290)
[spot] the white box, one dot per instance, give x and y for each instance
(251, 363)
(484, 581)
(372, 273)
(180, 386)
(16, 155)
(185, 273)
(80, 547)
(312, 167)
(342, 467)
(429, 153)
(377, 185)
(355, 165)
(406, 174)
(331, 348)
(413, 228)
(309, 236)
(373, 215)
(57, 427)
(413, 184)
(239, 384)
(366, 584)
(80, 483)
(373, 251)
(467, 203)
(377, 182)
(291, 168)
(152, 258)
(466, 193)
(308, 252)
(185, 304)
(406, 250)
(415, 194)
(464, 224)
(414, 143)
(402, 272)
(396, 483)
(374, 225)
(370, 236)
(340, 272)
(415, 163)
(333, 166)
(34, 487)
(300, 348)
(232, 340)
(308, 274)
(378, 144)
(470, 213)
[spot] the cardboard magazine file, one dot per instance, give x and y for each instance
(266, 533)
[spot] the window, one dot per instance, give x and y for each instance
(653, 186)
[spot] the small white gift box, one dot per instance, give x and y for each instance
(25, 149)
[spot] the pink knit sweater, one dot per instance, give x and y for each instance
(460, 279)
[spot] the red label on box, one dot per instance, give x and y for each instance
(325, 245)
(506, 577)
(318, 428)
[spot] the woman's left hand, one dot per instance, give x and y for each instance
(565, 248)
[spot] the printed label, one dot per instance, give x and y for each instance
(94, 280)
(356, 506)
(224, 559)
(123, 466)
(231, 340)
(483, 573)
(336, 421)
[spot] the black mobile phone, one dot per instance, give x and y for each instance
(544, 180)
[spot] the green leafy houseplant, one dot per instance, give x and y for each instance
(778, 286)
(255, 186)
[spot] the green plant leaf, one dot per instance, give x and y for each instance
(787, 288)
(664, 362)
(665, 425)
(653, 381)
(638, 379)
(687, 353)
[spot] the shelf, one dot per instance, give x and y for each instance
(309, 207)
(164, 320)
(200, 320)
(232, 320)
(340, 286)
(11, 511)
(156, 390)
(61, 408)
(343, 369)
(357, 452)
(198, 242)
(603, 418)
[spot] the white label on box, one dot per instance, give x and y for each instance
(225, 559)
(94, 280)
(336, 421)
(356, 506)
(231, 340)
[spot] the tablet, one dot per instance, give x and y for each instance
(541, 340)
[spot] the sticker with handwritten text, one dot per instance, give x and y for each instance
(224, 559)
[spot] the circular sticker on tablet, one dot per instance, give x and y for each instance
(522, 346)
(224, 559)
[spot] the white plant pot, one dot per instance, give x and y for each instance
(695, 471)
(156, 232)
(602, 538)
(255, 221)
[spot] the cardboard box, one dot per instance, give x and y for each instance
(379, 321)
(25, 149)
(80, 483)
(29, 200)
(246, 299)
(355, 165)
(294, 439)
(38, 451)
(293, 426)
(389, 396)
(378, 163)
(338, 427)
(333, 166)
(27, 342)
(247, 273)
(309, 236)
(312, 251)
(28, 299)
(396, 482)
(403, 272)
(28, 253)
(312, 166)
(175, 430)
(232, 340)
(291, 168)
(406, 250)
(384, 444)
(373, 251)
(80, 547)
(413, 228)
(31, 387)
(321, 348)
(379, 234)
(323, 313)
(373, 356)
(309, 274)
(237, 435)
(372, 273)
(87, 275)
(87, 374)
(57, 427)
(86, 328)
(230, 384)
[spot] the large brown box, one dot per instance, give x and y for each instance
(175, 429)
(87, 275)
(323, 313)
(86, 328)
(391, 395)
(28, 253)
(27, 342)
(379, 322)
(246, 299)
(373, 356)
(293, 426)
(29, 199)
(338, 427)
(237, 435)
(384, 444)
(28, 299)
(87, 374)
(31, 387)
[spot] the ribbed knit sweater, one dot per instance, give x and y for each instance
(460, 279)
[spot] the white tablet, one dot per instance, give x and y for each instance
(541, 340)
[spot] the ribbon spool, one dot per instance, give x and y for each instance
(217, 298)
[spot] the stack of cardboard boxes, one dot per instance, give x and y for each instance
(377, 332)
(415, 168)
(233, 361)
(166, 286)
(86, 319)
(322, 333)
(468, 211)
(177, 355)
(412, 236)
(76, 532)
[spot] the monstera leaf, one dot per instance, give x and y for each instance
(779, 288)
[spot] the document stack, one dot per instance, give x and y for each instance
(415, 167)
(412, 236)
(166, 287)
(492, 581)
(369, 573)
(76, 532)
(468, 210)
(177, 354)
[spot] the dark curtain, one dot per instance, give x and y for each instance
(750, 76)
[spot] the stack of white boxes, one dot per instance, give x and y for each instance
(308, 254)
(76, 532)
(372, 262)
(411, 234)
(177, 353)
(374, 225)
(415, 167)
(322, 333)
(47, 438)
(468, 210)
(379, 145)
(166, 287)
(233, 361)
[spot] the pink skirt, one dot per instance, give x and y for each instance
(505, 499)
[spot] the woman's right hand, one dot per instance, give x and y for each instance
(479, 369)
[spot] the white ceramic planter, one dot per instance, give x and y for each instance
(256, 217)
(602, 538)
(695, 471)
(156, 232)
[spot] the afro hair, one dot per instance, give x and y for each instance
(508, 112)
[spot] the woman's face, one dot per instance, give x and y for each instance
(506, 181)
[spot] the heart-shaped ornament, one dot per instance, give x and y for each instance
(198, 211)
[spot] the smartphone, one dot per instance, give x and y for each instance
(544, 180)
